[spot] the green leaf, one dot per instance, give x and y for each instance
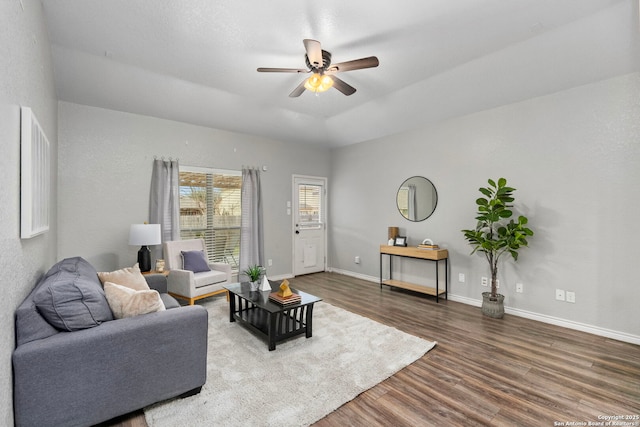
(486, 192)
(491, 182)
(482, 201)
(502, 182)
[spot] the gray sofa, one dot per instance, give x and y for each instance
(89, 368)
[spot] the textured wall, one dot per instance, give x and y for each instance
(26, 79)
(574, 158)
(105, 174)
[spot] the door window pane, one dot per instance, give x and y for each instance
(309, 206)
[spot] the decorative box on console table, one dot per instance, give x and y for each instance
(434, 255)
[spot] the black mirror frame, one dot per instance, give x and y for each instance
(435, 204)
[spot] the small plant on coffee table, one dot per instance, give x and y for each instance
(253, 272)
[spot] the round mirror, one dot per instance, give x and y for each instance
(417, 198)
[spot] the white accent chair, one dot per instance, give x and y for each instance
(186, 284)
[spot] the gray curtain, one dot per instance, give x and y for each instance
(164, 201)
(251, 230)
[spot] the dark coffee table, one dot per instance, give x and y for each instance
(275, 321)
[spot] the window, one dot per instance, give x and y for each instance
(210, 210)
(309, 202)
(403, 201)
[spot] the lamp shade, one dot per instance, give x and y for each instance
(144, 234)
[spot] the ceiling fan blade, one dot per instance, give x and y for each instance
(282, 70)
(298, 91)
(343, 87)
(314, 52)
(356, 64)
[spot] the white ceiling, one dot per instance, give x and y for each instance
(195, 61)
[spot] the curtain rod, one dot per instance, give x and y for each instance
(162, 158)
(258, 168)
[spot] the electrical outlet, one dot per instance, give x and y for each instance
(571, 297)
(357, 260)
(519, 288)
(560, 294)
(484, 281)
(461, 277)
(270, 262)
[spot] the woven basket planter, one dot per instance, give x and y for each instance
(493, 306)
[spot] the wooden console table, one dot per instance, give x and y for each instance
(425, 254)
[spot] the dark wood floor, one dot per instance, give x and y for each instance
(508, 372)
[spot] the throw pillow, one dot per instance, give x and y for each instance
(131, 277)
(70, 297)
(125, 302)
(194, 261)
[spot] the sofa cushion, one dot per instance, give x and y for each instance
(70, 296)
(169, 301)
(194, 261)
(126, 302)
(131, 277)
(30, 325)
(206, 278)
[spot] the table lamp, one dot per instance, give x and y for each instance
(144, 235)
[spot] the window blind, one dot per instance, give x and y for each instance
(210, 210)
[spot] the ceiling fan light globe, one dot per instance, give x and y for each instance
(312, 82)
(318, 83)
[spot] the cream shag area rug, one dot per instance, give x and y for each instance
(297, 384)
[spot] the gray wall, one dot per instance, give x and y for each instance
(105, 174)
(574, 159)
(26, 80)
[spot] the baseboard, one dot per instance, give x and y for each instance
(569, 324)
(356, 275)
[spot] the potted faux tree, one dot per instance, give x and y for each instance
(496, 235)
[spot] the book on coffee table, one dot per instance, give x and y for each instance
(292, 299)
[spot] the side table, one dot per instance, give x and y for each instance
(164, 272)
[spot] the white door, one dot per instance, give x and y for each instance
(309, 225)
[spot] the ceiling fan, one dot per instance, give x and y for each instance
(324, 73)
